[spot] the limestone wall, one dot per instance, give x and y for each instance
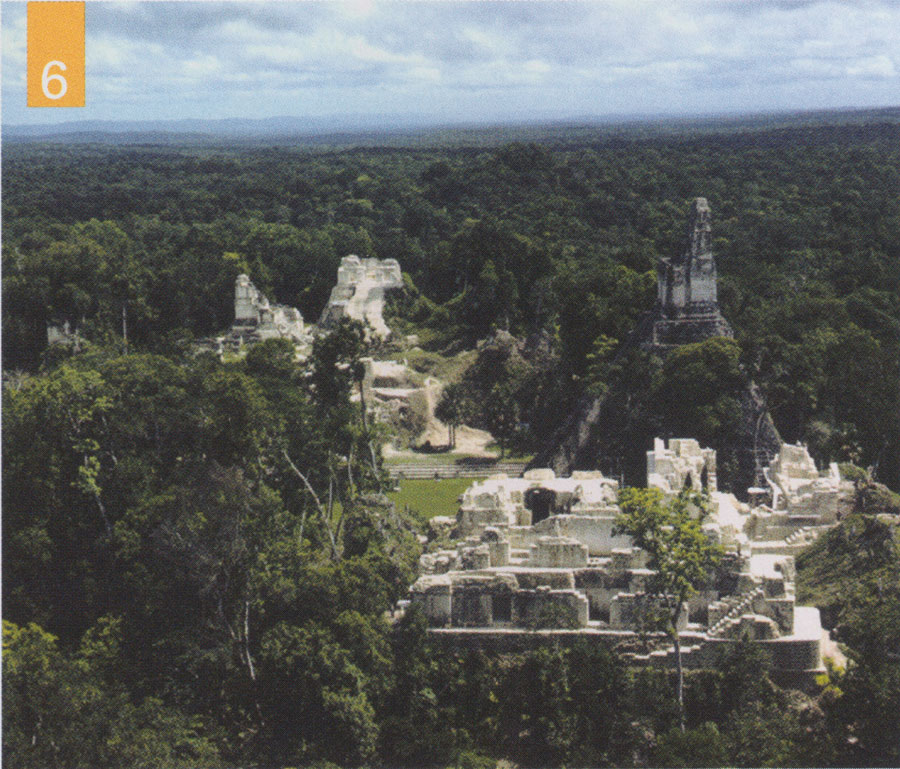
(594, 532)
(681, 463)
(558, 552)
(687, 282)
(800, 489)
(533, 606)
(246, 301)
(571, 567)
(359, 292)
(499, 500)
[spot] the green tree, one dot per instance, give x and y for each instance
(451, 409)
(502, 415)
(701, 746)
(681, 555)
(698, 390)
(314, 695)
(71, 709)
(865, 715)
(536, 724)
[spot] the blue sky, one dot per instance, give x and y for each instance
(470, 61)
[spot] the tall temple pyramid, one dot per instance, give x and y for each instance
(687, 308)
(613, 431)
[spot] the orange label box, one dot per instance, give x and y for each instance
(55, 54)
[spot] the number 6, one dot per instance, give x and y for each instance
(45, 81)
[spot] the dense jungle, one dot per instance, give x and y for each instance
(199, 565)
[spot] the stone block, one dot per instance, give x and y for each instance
(476, 558)
(638, 611)
(539, 474)
(558, 552)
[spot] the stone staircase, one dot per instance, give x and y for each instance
(805, 535)
(792, 543)
(665, 658)
(425, 471)
(737, 606)
(692, 648)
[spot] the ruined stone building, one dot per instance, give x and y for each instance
(399, 397)
(359, 293)
(687, 306)
(542, 551)
(601, 431)
(63, 333)
(257, 319)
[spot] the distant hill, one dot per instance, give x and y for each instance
(411, 130)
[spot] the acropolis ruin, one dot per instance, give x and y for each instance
(538, 548)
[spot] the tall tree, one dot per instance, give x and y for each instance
(450, 409)
(681, 555)
(502, 413)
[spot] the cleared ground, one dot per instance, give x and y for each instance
(429, 498)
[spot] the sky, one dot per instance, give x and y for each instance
(476, 61)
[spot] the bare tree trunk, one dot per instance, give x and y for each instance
(362, 408)
(680, 686)
(100, 506)
(246, 644)
(242, 639)
(325, 514)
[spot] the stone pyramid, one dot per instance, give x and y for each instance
(608, 432)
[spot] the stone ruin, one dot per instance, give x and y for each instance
(681, 465)
(63, 333)
(391, 389)
(543, 549)
(798, 502)
(398, 396)
(359, 293)
(687, 307)
(800, 490)
(599, 431)
(256, 319)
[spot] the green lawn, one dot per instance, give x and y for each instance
(429, 497)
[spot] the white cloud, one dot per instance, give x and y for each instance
(627, 55)
(111, 53)
(12, 45)
(203, 65)
(873, 66)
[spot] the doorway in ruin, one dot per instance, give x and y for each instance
(540, 502)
